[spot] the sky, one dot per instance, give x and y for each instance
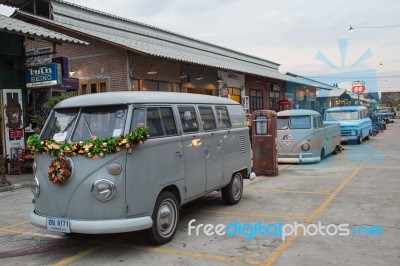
(309, 38)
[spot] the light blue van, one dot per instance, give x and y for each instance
(355, 125)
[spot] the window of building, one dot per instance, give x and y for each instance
(256, 100)
(151, 85)
(93, 87)
(273, 100)
(234, 94)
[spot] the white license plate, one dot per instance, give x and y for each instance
(58, 225)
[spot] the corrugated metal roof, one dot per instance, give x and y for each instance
(330, 93)
(19, 27)
(150, 40)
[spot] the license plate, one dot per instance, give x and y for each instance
(58, 225)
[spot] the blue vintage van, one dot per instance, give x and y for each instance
(355, 125)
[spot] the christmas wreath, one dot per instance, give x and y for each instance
(59, 170)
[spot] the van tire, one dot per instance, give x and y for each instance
(360, 139)
(232, 193)
(164, 228)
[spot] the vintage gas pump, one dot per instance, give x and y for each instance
(265, 161)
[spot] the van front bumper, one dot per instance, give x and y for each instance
(98, 227)
(298, 158)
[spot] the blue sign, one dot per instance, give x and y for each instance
(43, 76)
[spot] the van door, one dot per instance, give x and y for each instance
(193, 150)
(156, 163)
(212, 147)
(319, 135)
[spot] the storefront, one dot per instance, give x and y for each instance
(16, 90)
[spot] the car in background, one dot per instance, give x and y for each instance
(355, 125)
(303, 138)
(386, 112)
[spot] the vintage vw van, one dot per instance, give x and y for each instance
(355, 124)
(303, 138)
(126, 161)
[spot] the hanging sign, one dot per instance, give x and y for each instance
(357, 87)
(43, 76)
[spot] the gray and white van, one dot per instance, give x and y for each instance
(96, 172)
(303, 138)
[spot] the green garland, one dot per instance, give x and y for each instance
(93, 148)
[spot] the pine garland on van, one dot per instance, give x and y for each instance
(92, 148)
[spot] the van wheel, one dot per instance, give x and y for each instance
(359, 139)
(337, 149)
(165, 219)
(322, 154)
(232, 193)
(369, 134)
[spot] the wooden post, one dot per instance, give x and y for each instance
(3, 179)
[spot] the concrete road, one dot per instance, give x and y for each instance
(347, 210)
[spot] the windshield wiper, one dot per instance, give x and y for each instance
(87, 124)
(70, 123)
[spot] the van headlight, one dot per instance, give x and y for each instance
(354, 132)
(35, 187)
(103, 189)
(305, 147)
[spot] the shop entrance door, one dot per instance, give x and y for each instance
(13, 123)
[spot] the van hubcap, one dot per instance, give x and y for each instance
(237, 187)
(166, 217)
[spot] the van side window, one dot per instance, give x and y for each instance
(168, 121)
(320, 122)
(160, 121)
(187, 115)
(315, 123)
(223, 117)
(207, 118)
(138, 118)
(153, 122)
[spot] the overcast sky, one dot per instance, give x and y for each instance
(291, 33)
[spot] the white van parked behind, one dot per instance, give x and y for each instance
(303, 138)
(126, 161)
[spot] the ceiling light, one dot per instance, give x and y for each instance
(351, 29)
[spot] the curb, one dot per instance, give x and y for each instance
(15, 186)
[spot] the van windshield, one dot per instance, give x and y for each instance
(60, 124)
(341, 115)
(294, 122)
(101, 122)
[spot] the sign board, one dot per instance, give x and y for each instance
(357, 89)
(43, 76)
(16, 133)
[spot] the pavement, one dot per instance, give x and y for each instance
(17, 181)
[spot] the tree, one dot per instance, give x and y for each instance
(391, 99)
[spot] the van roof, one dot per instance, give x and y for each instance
(346, 108)
(129, 97)
(297, 112)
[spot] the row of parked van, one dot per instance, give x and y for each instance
(126, 161)
(304, 137)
